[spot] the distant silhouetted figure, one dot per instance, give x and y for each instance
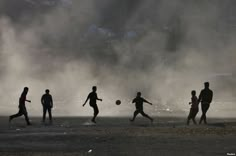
(22, 108)
(205, 98)
(139, 107)
(194, 108)
(47, 103)
(92, 97)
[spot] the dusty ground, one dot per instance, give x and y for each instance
(117, 136)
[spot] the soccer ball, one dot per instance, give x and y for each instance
(118, 102)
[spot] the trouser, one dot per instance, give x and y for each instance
(95, 110)
(142, 113)
(49, 110)
(205, 107)
(22, 111)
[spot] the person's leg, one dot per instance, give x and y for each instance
(26, 117)
(145, 115)
(206, 107)
(189, 116)
(96, 111)
(194, 121)
(201, 119)
(135, 114)
(44, 114)
(195, 111)
(16, 115)
(50, 114)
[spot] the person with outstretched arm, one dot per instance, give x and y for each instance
(139, 107)
(92, 97)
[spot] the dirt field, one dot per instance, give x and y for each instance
(117, 136)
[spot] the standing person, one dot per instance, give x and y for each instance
(47, 104)
(139, 107)
(194, 108)
(205, 98)
(22, 108)
(92, 97)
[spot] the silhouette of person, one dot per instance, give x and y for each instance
(22, 108)
(92, 97)
(139, 107)
(205, 98)
(47, 103)
(194, 108)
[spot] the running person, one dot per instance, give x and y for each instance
(139, 107)
(22, 108)
(92, 97)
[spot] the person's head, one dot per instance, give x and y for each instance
(47, 91)
(193, 93)
(94, 88)
(139, 94)
(206, 84)
(26, 89)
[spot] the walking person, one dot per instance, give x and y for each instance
(194, 108)
(205, 98)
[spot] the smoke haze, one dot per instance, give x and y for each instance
(162, 48)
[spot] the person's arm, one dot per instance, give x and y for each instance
(194, 101)
(200, 97)
(27, 100)
(144, 100)
(191, 101)
(42, 100)
(98, 98)
(86, 100)
(51, 102)
(133, 101)
(211, 96)
(23, 98)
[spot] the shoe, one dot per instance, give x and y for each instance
(93, 121)
(131, 120)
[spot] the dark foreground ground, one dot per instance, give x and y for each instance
(117, 136)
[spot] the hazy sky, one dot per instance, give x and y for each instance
(162, 48)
